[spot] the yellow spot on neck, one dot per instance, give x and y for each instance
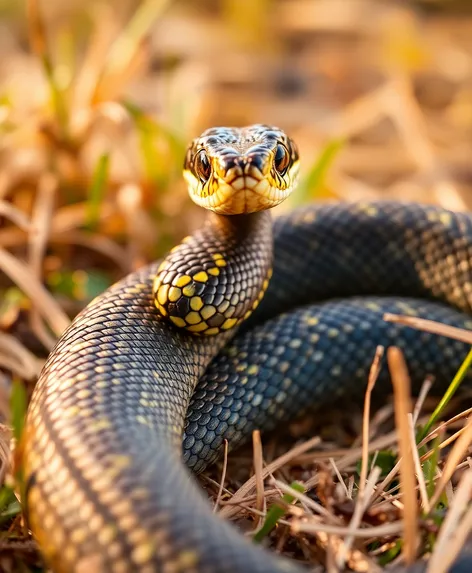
(200, 277)
(174, 294)
(182, 281)
(208, 311)
(162, 294)
(198, 327)
(193, 318)
(229, 323)
(180, 322)
(189, 290)
(212, 331)
(196, 303)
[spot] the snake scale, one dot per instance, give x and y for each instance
(106, 489)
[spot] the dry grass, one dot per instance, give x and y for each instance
(94, 117)
(352, 512)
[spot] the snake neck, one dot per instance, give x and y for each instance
(217, 277)
(239, 228)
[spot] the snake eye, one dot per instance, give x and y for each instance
(281, 159)
(202, 166)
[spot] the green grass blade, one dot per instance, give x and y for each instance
(314, 181)
(18, 402)
(430, 466)
(457, 380)
(391, 553)
(97, 191)
(158, 167)
(276, 512)
(150, 156)
(9, 505)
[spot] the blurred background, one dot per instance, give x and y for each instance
(99, 99)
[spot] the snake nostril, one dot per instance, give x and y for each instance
(258, 160)
(244, 162)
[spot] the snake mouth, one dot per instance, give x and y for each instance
(245, 195)
(243, 190)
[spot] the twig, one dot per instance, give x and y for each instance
(223, 477)
(402, 398)
(373, 375)
(258, 472)
(455, 456)
(453, 535)
(418, 469)
(430, 326)
(378, 531)
(37, 240)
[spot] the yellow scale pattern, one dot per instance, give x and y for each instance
(196, 320)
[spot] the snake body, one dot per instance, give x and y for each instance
(106, 489)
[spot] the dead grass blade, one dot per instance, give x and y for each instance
(457, 453)
(351, 456)
(307, 501)
(20, 274)
(125, 56)
(14, 214)
(223, 477)
(340, 478)
(454, 532)
(258, 473)
(362, 503)
(5, 451)
(98, 243)
(373, 375)
(431, 326)
(418, 469)
(403, 407)
(425, 388)
(65, 219)
(361, 533)
(443, 426)
(37, 242)
(17, 358)
(230, 511)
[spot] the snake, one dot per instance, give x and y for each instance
(246, 323)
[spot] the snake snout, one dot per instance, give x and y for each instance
(237, 165)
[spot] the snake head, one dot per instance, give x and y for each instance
(233, 171)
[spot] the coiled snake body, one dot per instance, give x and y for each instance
(106, 488)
